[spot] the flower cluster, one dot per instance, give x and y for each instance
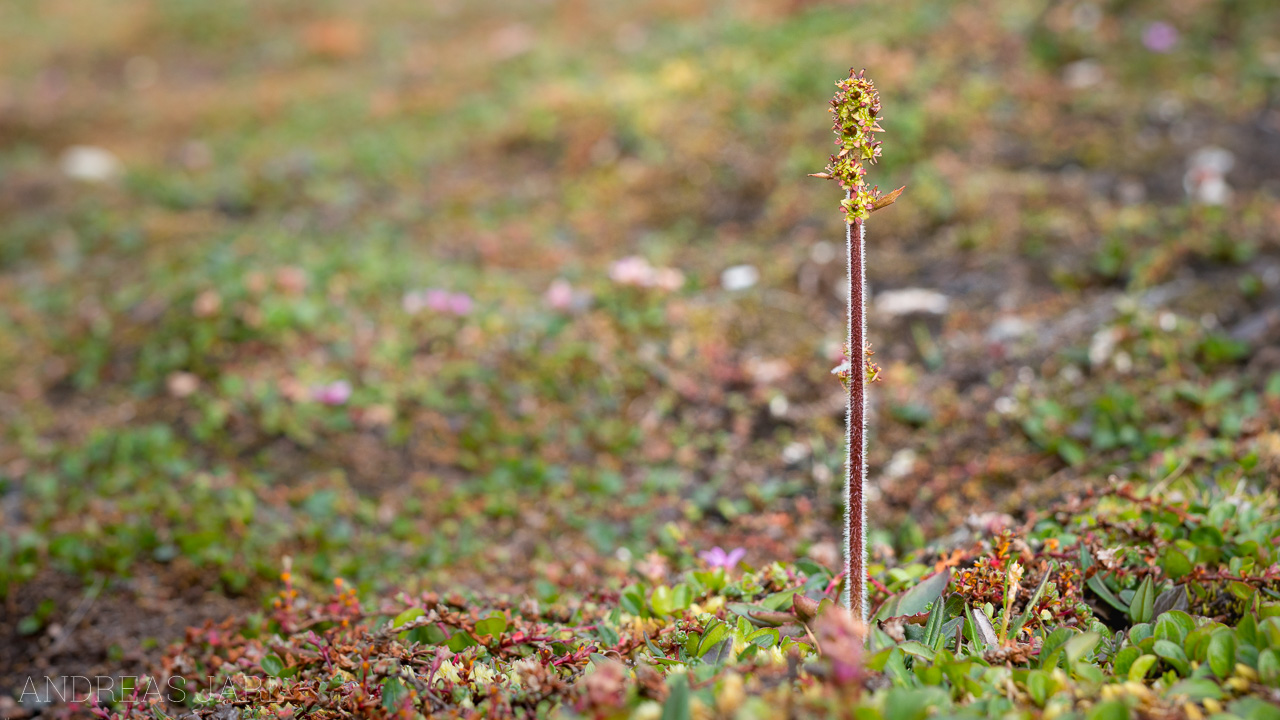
(636, 271)
(334, 393)
(856, 107)
(841, 371)
(437, 301)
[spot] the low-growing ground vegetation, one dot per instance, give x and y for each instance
(393, 357)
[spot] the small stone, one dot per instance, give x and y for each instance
(1102, 346)
(207, 304)
(291, 280)
(1206, 179)
(1082, 74)
(911, 301)
(182, 384)
(901, 464)
(89, 164)
(739, 277)
(822, 252)
(1009, 327)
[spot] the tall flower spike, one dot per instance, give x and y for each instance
(856, 120)
(856, 111)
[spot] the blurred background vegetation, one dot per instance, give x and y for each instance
(341, 281)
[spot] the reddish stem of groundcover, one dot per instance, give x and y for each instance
(855, 510)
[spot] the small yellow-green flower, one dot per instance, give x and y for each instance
(856, 107)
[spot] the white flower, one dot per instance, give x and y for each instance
(448, 672)
(482, 674)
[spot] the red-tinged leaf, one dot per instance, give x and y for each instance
(887, 200)
(805, 608)
(919, 618)
(768, 617)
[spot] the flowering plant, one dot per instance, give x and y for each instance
(856, 111)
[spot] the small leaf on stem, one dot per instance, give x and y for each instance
(886, 200)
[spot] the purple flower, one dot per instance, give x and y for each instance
(334, 393)
(460, 303)
(632, 270)
(438, 301)
(560, 295)
(1160, 37)
(716, 557)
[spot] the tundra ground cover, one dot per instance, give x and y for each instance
(358, 293)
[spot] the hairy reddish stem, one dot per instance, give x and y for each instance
(856, 421)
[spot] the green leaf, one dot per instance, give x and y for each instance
(1035, 600)
(1123, 660)
(1099, 588)
(1080, 646)
(1174, 563)
(492, 626)
(460, 641)
(1208, 536)
(919, 650)
(677, 705)
(1182, 619)
(933, 627)
(394, 694)
(764, 637)
(948, 635)
(917, 599)
(272, 665)
(778, 600)
(1269, 667)
(896, 668)
(1089, 673)
(407, 616)
(914, 703)
(1110, 710)
(1138, 670)
(1168, 628)
(1140, 610)
(1247, 629)
(1196, 689)
(430, 634)
(1269, 630)
(1072, 452)
(654, 650)
(1039, 686)
(662, 600)
(1097, 584)
(1222, 653)
(1253, 708)
(713, 635)
(608, 636)
(632, 601)
(877, 661)
(1174, 656)
(1049, 651)
(681, 598)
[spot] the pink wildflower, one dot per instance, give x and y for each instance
(631, 270)
(560, 295)
(1160, 37)
(716, 557)
(460, 303)
(334, 393)
(437, 301)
